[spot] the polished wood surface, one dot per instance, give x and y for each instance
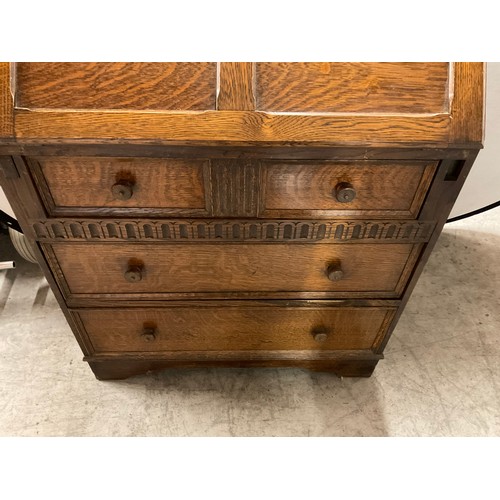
(155, 183)
(382, 189)
(235, 121)
(228, 328)
(131, 86)
(237, 235)
(372, 87)
(91, 268)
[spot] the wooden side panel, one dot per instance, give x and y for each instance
(232, 267)
(79, 182)
(468, 103)
(233, 328)
(352, 87)
(382, 189)
(132, 86)
(6, 101)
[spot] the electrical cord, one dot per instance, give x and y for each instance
(474, 212)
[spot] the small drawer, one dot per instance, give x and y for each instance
(235, 327)
(156, 270)
(119, 186)
(356, 189)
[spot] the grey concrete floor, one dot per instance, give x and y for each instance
(441, 375)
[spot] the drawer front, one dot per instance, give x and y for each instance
(348, 189)
(369, 269)
(216, 328)
(75, 186)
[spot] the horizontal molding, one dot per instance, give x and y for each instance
(269, 231)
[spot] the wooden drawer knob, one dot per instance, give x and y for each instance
(148, 334)
(344, 192)
(122, 190)
(334, 271)
(320, 334)
(133, 274)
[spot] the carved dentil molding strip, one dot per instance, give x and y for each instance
(223, 230)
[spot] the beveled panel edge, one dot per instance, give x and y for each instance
(223, 230)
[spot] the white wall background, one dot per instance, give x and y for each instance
(482, 186)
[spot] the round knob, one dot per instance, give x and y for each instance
(148, 334)
(133, 274)
(344, 192)
(122, 190)
(334, 271)
(320, 335)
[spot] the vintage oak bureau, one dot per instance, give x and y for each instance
(235, 214)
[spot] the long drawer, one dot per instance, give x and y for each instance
(228, 327)
(370, 270)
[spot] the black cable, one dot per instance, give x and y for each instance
(474, 212)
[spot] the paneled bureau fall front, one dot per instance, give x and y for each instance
(235, 214)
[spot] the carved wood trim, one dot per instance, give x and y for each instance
(234, 188)
(203, 231)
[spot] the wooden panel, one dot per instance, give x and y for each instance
(6, 101)
(229, 328)
(468, 103)
(353, 87)
(79, 182)
(235, 186)
(236, 86)
(383, 189)
(134, 86)
(240, 127)
(92, 268)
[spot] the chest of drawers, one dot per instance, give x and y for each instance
(235, 214)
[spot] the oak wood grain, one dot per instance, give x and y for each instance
(6, 101)
(383, 189)
(352, 87)
(236, 86)
(99, 268)
(132, 86)
(76, 183)
(468, 103)
(243, 127)
(230, 328)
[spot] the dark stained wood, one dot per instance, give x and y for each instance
(353, 87)
(227, 328)
(99, 269)
(119, 368)
(383, 189)
(131, 86)
(236, 86)
(6, 101)
(76, 183)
